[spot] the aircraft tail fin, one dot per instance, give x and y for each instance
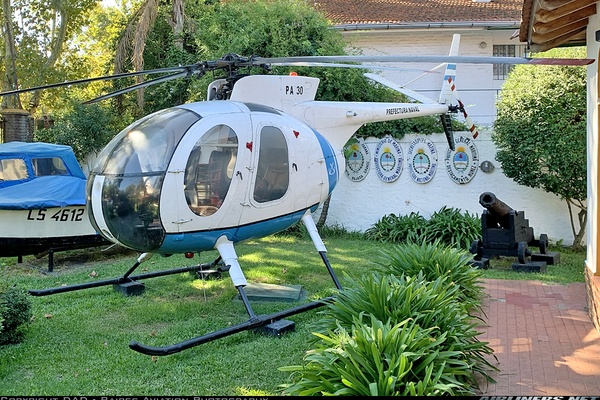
(446, 96)
(449, 94)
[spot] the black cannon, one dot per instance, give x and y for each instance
(506, 232)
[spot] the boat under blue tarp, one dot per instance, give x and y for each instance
(48, 175)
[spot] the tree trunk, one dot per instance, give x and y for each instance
(177, 23)
(581, 219)
(10, 81)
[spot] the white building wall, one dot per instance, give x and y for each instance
(593, 147)
(358, 205)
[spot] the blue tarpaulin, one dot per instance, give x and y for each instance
(34, 192)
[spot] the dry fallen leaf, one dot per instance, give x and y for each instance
(93, 274)
(48, 316)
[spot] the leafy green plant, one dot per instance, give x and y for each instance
(15, 309)
(434, 260)
(339, 231)
(394, 228)
(431, 304)
(379, 359)
(542, 117)
(86, 128)
(450, 226)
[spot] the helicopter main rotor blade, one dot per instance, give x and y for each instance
(187, 68)
(138, 86)
(358, 66)
(431, 59)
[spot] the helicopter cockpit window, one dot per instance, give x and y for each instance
(209, 170)
(13, 169)
(134, 165)
(272, 172)
(49, 166)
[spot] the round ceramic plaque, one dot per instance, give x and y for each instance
(422, 159)
(358, 160)
(389, 159)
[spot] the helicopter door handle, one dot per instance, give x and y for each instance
(182, 221)
(295, 167)
(239, 173)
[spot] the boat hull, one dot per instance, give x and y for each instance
(35, 231)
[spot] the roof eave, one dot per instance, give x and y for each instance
(429, 25)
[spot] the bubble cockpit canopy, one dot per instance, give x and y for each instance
(133, 167)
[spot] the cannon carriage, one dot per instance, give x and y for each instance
(506, 232)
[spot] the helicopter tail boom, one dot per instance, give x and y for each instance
(338, 121)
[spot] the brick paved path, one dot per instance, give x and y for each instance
(544, 340)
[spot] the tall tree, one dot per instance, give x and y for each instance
(133, 41)
(35, 36)
(10, 81)
(540, 132)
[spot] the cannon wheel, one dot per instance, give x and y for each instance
(543, 245)
(477, 249)
(522, 252)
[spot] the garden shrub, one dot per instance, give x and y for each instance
(393, 228)
(435, 260)
(432, 305)
(379, 359)
(449, 226)
(452, 227)
(15, 311)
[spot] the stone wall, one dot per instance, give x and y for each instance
(592, 284)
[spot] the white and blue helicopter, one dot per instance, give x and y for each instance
(258, 157)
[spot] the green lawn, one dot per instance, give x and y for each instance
(77, 342)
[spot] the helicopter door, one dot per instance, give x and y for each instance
(204, 165)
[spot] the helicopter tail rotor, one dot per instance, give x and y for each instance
(449, 94)
(461, 107)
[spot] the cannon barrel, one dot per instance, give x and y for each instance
(494, 205)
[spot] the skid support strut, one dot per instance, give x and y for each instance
(227, 252)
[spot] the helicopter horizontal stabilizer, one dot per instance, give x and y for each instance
(401, 89)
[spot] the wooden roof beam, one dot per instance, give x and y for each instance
(545, 33)
(544, 46)
(566, 6)
(565, 16)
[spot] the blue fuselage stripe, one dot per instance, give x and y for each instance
(206, 240)
(333, 170)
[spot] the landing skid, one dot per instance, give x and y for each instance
(126, 278)
(229, 257)
(252, 323)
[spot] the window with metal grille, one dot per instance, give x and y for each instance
(506, 50)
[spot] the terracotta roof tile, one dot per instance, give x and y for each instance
(414, 11)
